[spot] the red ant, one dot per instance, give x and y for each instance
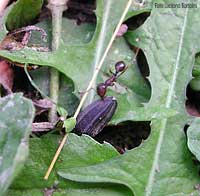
(120, 67)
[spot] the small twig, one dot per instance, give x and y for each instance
(89, 86)
(42, 126)
(43, 103)
(56, 156)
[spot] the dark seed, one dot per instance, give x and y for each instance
(120, 66)
(96, 116)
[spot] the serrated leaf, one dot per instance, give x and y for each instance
(16, 119)
(81, 58)
(81, 67)
(162, 165)
(80, 53)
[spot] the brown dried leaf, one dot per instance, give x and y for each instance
(6, 75)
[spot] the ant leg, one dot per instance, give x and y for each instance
(136, 52)
(81, 93)
(111, 72)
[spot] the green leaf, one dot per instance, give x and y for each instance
(69, 124)
(79, 54)
(82, 57)
(162, 165)
(195, 82)
(193, 136)
(31, 182)
(143, 114)
(62, 112)
(196, 68)
(16, 117)
(23, 12)
(111, 190)
(66, 99)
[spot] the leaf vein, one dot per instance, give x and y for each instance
(168, 104)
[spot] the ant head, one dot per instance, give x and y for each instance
(120, 67)
(101, 90)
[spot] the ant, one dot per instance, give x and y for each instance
(120, 67)
(96, 116)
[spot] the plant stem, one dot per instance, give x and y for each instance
(54, 90)
(57, 11)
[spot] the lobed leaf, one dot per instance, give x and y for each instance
(162, 165)
(80, 51)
